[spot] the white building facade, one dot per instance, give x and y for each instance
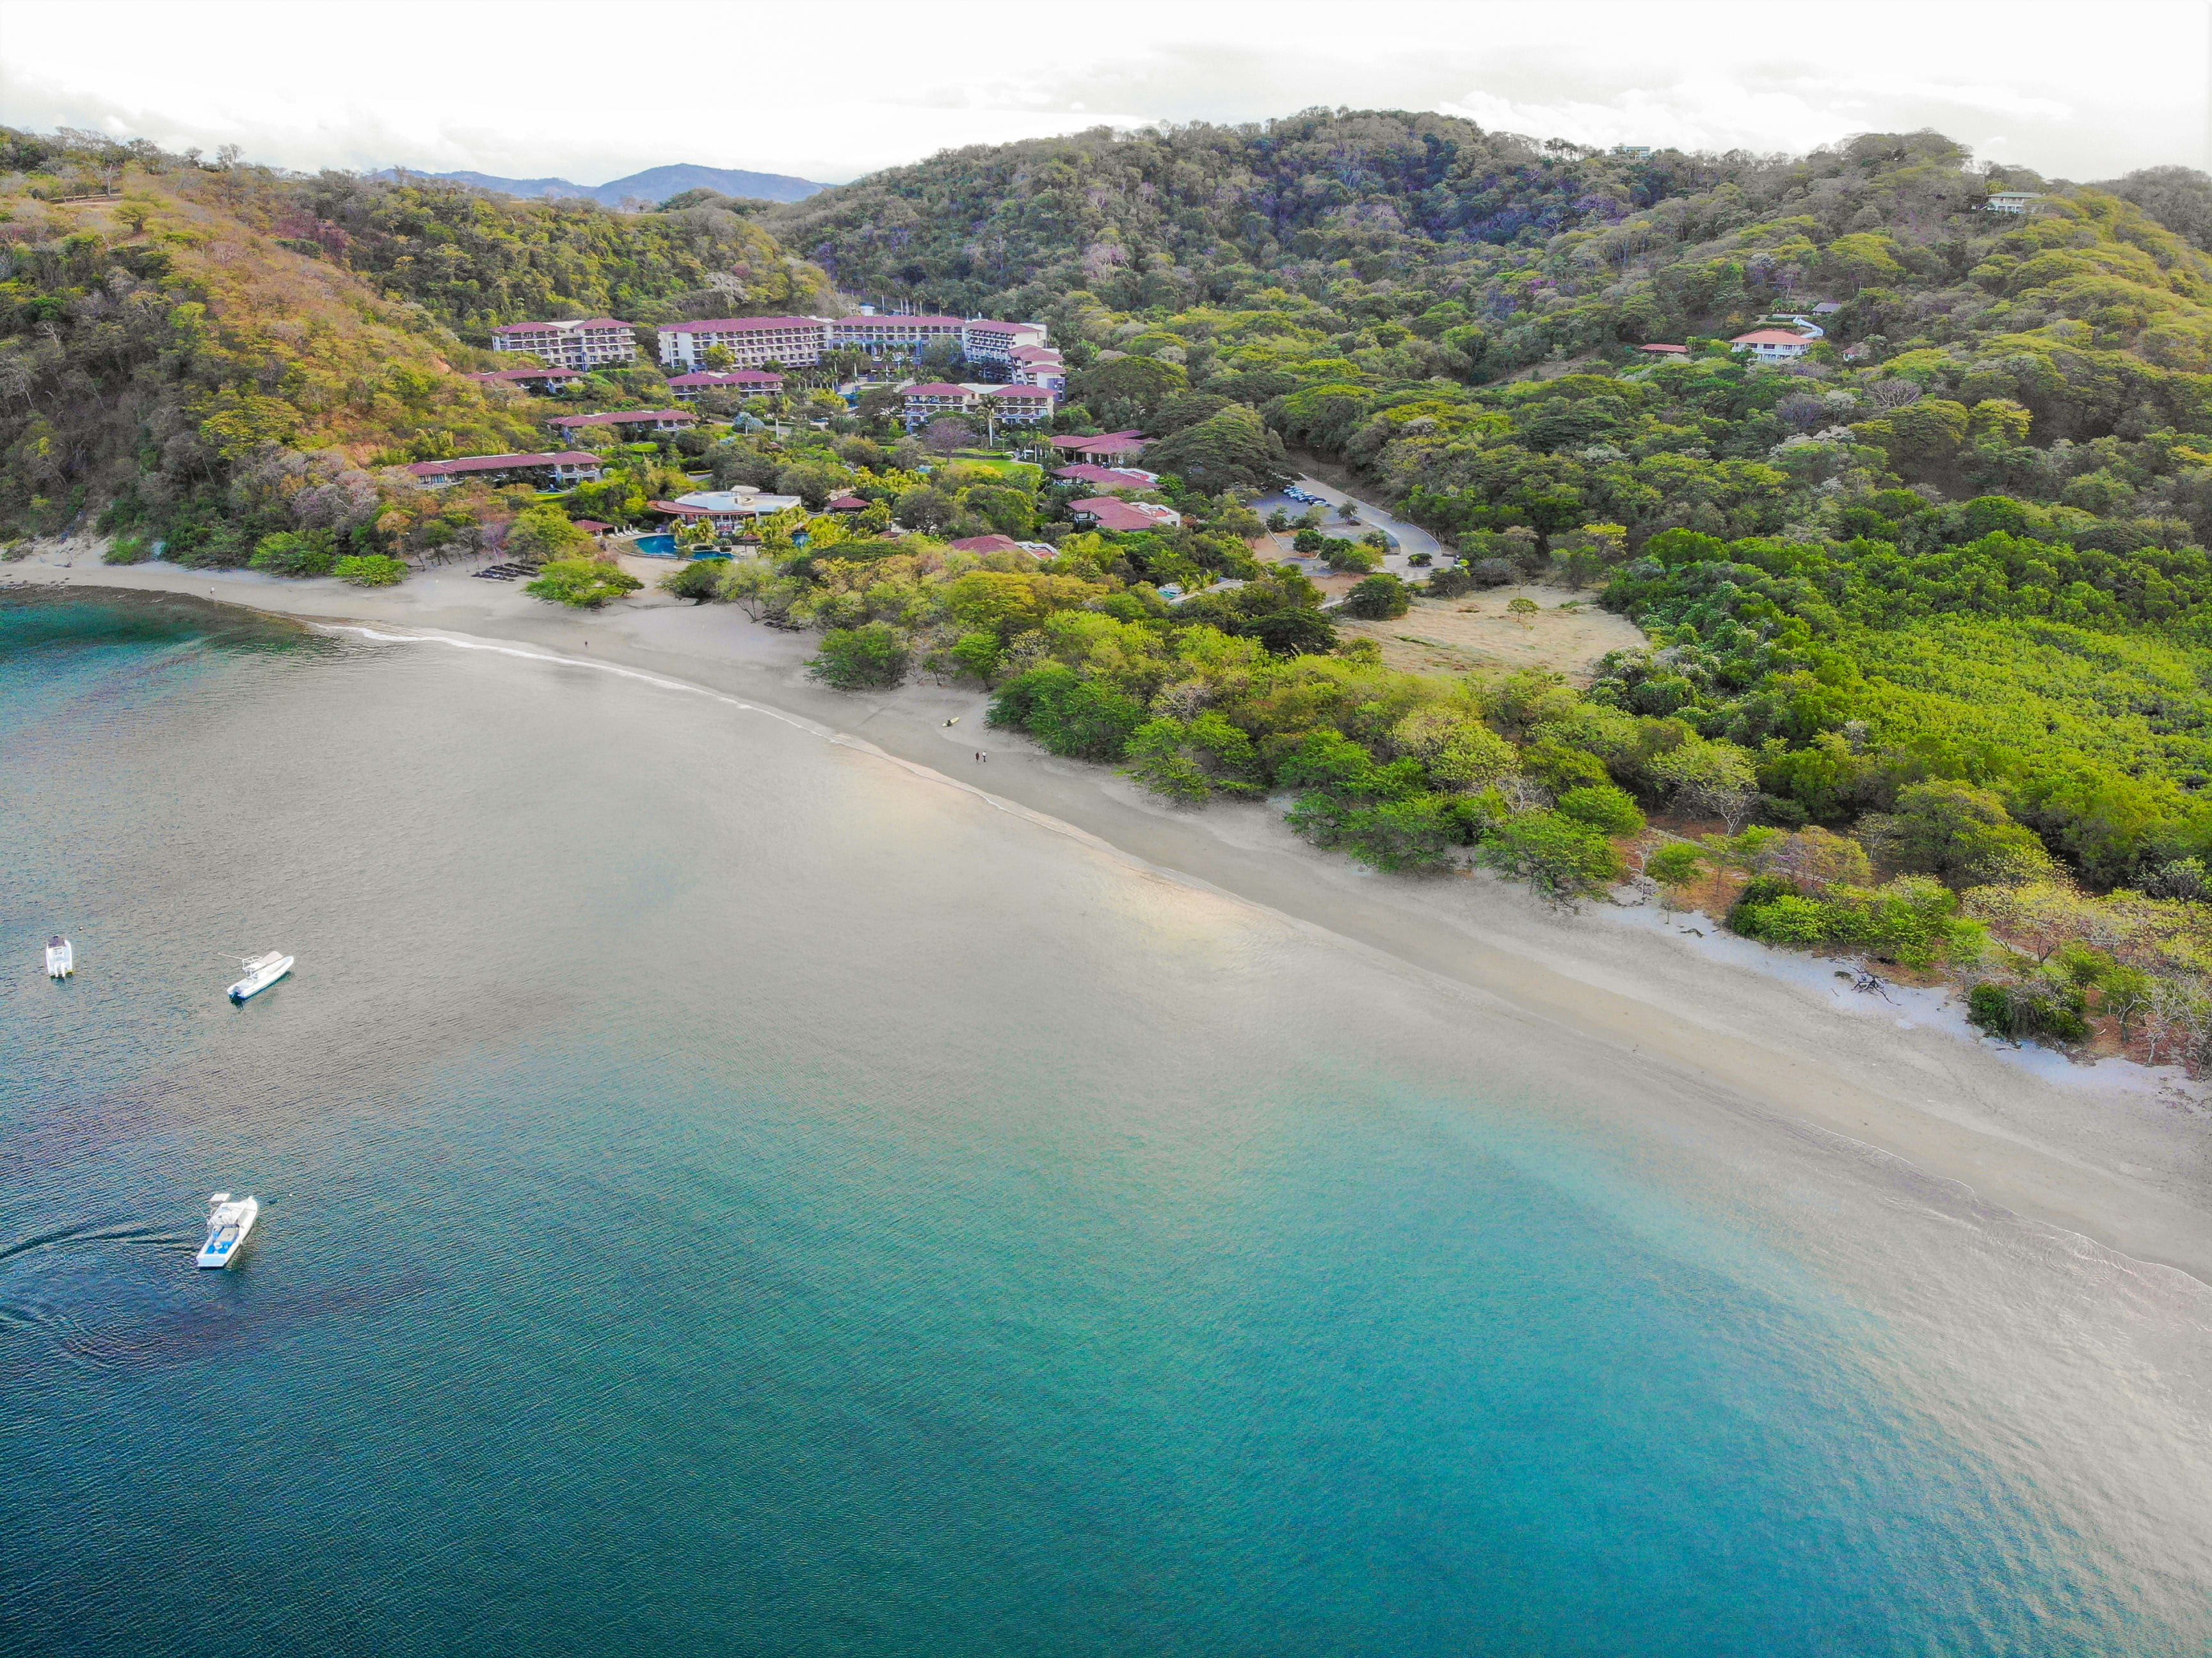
(751, 342)
(592, 342)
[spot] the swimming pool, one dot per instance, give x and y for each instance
(657, 546)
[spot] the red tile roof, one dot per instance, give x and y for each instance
(1110, 443)
(735, 324)
(499, 462)
(1771, 337)
(734, 376)
(988, 544)
(1025, 394)
(593, 526)
(1671, 350)
(847, 504)
(1111, 478)
(622, 418)
(1111, 515)
(580, 322)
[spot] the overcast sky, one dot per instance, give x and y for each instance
(833, 88)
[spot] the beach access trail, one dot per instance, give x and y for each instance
(2114, 1152)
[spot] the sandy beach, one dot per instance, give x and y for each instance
(2114, 1152)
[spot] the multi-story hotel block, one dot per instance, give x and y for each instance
(799, 342)
(592, 342)
(983, 340)
(794, 341)
(1025, 404)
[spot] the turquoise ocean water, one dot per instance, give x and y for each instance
(725, 1192)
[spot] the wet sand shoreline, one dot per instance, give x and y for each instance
(2115, 1152)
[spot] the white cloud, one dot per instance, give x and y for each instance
(2079, 90)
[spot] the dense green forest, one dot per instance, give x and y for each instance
(1926, 646)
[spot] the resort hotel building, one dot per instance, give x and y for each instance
(592, 342)
(801, 342)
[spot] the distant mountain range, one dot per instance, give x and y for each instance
(655, 184)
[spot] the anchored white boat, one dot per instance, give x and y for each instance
(261, 972)
(61, 958)
(228, 1224)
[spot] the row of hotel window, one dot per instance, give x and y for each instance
(752, 341)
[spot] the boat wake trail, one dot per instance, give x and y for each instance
(94, 1232)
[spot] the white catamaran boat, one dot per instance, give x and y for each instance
(261, 972)
(61, 958)
(228, 1224)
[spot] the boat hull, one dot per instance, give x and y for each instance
(225, 1243)
(254, 983)
(60, 959)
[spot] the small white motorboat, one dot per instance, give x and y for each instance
(261, 972)
(61, 958)
(228, 1224)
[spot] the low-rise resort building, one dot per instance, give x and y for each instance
(541, 380)
(655, 420)
(552, 471)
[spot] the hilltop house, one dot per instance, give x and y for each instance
(1773, 344)
(589, 343)
(549, 471)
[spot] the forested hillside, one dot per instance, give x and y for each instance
(1924, 605)
(210, 353)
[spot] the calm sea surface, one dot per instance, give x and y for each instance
(724, 1193)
